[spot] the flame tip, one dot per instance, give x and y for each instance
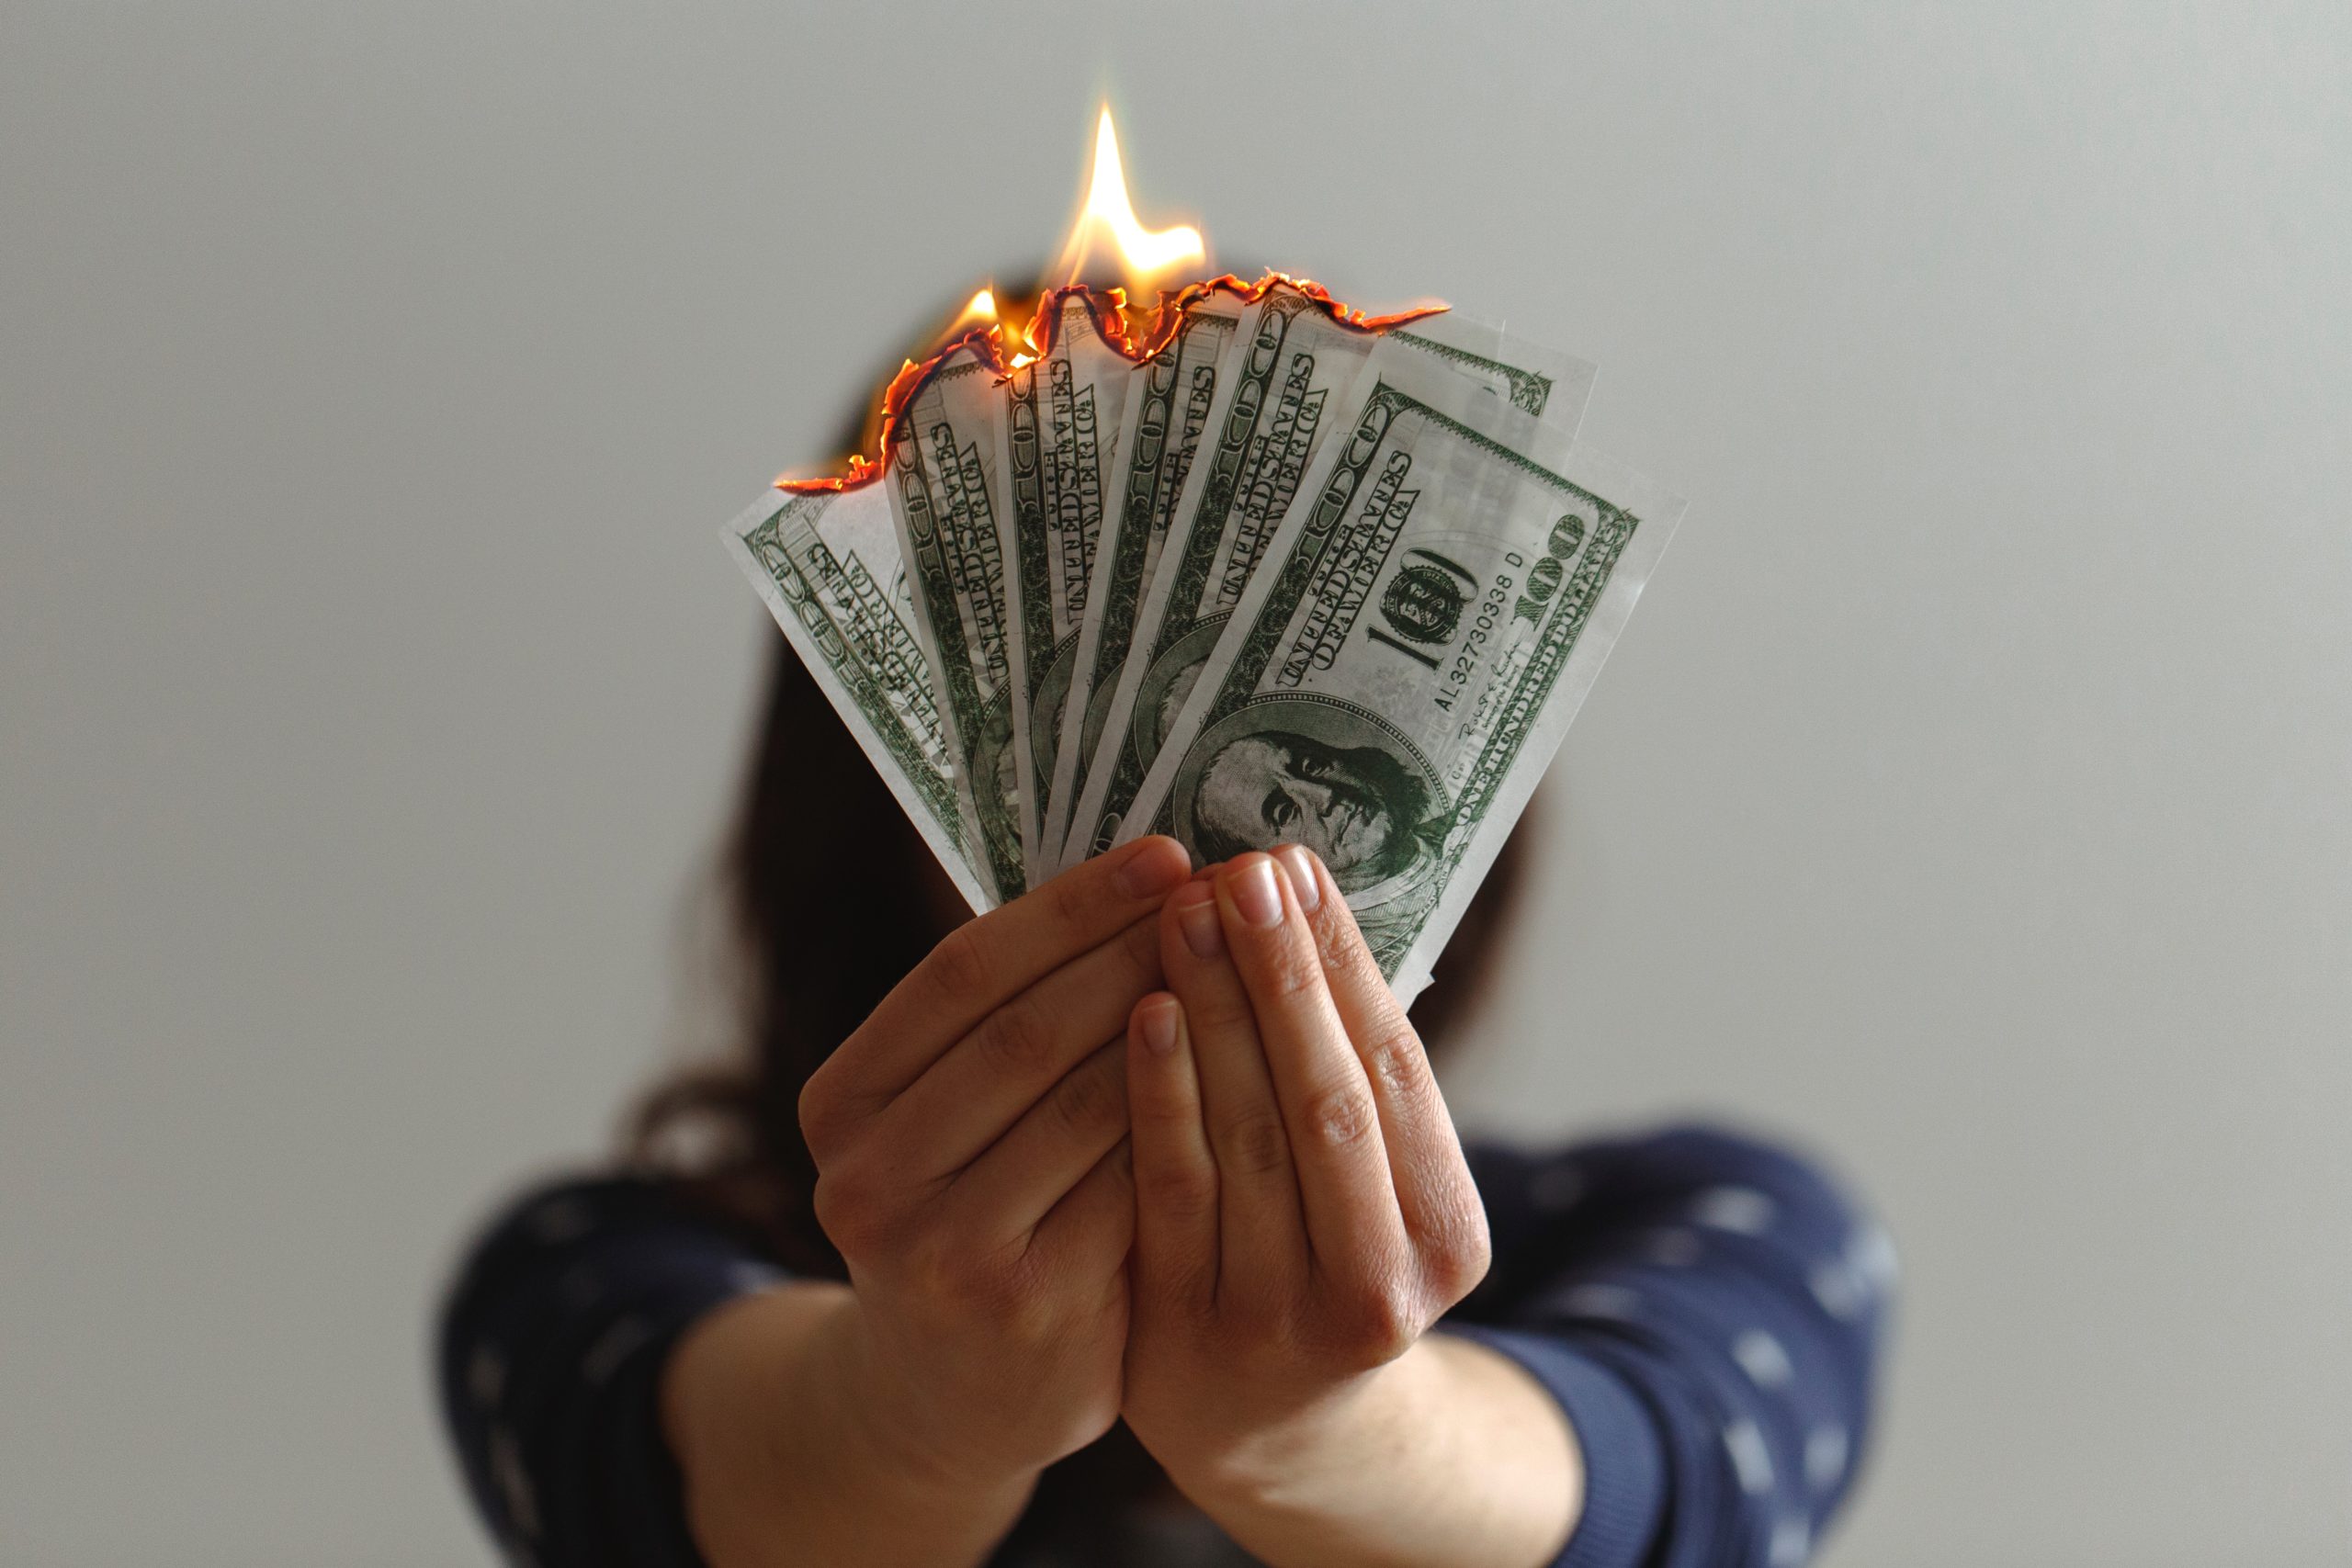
(1145, 255)
(1108, 208)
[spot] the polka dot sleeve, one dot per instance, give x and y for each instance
(549, 1352)
(1707, 1310)
(1710, 1312)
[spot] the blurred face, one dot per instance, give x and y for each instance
(1265, 790)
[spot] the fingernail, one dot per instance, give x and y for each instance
(1153, 867)
(1158, 1023)
(1255, 895)
(1196, 918)
(1299, 861)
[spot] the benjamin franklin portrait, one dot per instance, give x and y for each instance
(1300, 771)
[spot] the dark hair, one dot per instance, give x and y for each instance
(823, 924)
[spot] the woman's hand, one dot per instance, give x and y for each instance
(970, 1140)
(1303, 1210)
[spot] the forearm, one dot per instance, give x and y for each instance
(772, 1407)
(1449, 1457)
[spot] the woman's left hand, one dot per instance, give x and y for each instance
(1303, 1210)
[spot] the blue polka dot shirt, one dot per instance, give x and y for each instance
(1709, 1310)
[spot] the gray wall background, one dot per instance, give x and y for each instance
(1969, 797)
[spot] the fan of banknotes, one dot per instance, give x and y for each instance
(1270, 572)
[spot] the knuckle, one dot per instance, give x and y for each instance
(848, 1211)
(1173, 1117)
(1089, 1099)
(1139, 945)
(958, 967)
(1339, 945)
(1191, 1293)
(1067, 901)
(1290, 972)
(1187, 1192)
(1193, 1196)
(1458, 1256)
(1376, 1323)
(1341, 1116)
(1018, 1038)
(1254, 1144)
(1123, 1164)
(815, 1110)
(1395, 1060)
(1223, 1011)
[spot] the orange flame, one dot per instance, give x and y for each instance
(1108, 307)
(1144, 253)
(982, 307)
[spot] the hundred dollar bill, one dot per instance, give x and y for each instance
(1399, 671)
(941, 483)
(827, 565)
(1061, 435)
(1265, 429)
(1167, 408)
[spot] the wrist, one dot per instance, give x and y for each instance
(889, 1416)
(790, 1451)
(1448, 1455)
(1293, 1460)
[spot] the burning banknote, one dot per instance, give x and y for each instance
(1250, 567)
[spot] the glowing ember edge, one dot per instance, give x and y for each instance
(1108, 306)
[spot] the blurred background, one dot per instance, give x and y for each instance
(1970, 797)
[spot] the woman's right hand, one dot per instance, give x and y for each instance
(970, 1142)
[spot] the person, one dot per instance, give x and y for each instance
(1125, 1225)
(1356, 809)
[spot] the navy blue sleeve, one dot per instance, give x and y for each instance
(1709, 1310)
(549, 1351)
